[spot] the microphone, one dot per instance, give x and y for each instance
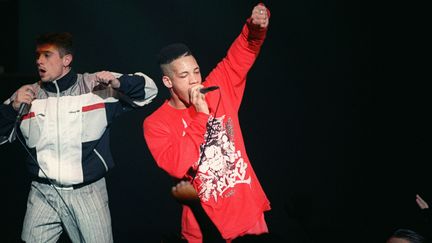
(208, 89)
(23, 107)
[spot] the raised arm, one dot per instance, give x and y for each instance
(231, 72)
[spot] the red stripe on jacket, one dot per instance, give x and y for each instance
(93, 107)
(28, 116)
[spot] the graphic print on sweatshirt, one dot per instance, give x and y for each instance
(222, 166)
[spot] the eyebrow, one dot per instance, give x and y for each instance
(182, 73)
(187, 72)
(48, 51)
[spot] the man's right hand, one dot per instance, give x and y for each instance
(197, 99)
(25, 94)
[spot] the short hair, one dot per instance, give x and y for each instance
(62, 40)
(170, 53)
(409, 235)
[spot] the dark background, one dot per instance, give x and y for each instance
(334, 114)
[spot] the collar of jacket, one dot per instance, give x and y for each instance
(64, 82)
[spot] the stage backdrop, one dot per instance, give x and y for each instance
(309, 114)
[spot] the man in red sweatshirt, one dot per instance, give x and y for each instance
(196, 135)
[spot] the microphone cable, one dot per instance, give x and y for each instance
(210, 131)
(52, 185)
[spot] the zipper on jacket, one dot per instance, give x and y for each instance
(58, 133)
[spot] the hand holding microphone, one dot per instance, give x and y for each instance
(24, 96)
(197, 97)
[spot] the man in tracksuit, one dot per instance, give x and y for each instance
(64, 125)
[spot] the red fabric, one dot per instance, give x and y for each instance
(229, 190)
(93, 107)
(28, 116)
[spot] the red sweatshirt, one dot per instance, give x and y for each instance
(229, 190)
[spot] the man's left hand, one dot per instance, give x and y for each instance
(107, 78)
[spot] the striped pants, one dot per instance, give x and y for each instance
(86, 218)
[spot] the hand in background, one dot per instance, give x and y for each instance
(184, 192)
(421, 203)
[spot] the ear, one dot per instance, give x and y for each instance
(67, 60)
(167, 81)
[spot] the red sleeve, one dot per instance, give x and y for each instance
(175, 153)
(230, 73)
